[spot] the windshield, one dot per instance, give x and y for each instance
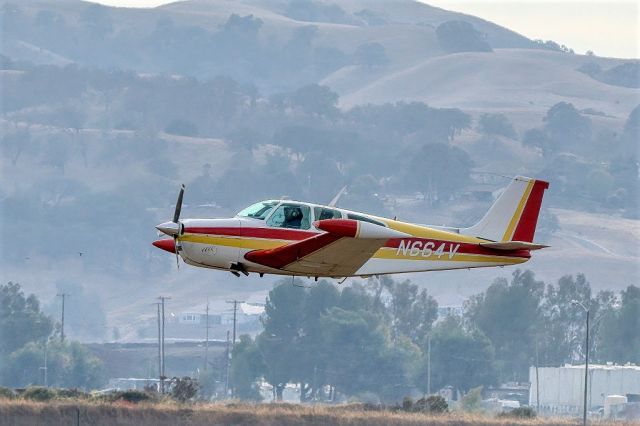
(259, 210)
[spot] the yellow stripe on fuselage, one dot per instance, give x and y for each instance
(240, 242)
(508, 234)
(389, 253)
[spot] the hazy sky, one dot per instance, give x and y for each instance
(609, 28)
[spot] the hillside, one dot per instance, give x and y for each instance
(106, 111)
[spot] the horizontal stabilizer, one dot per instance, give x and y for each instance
(513, 245)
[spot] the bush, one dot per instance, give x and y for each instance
(39, 393)
(407, 403)
(7, 393)
(72, 393)
(132, 395)
(184, 389)
(520, 413)
(432, 404)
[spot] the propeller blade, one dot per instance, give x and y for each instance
(175, 242)
(176, 214)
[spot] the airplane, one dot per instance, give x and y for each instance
(285, 237)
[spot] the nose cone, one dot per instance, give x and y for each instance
(169, 228)
(166, 245)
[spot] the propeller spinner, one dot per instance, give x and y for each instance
(174, 228)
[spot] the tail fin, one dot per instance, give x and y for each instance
(514, 215)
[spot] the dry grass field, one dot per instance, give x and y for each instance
(26, 413)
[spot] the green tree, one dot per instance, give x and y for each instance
(69, 365)
(566, 127)
(620, 340)
(509, 313)
(282, 327)
(461, 36)
(246, 367)
(413, 311)
(496, 124)
(357, 338)
(439, 170)
(460, 357)
(21, 320)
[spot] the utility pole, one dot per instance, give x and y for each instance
(206, 345)
(227, 361)
(235, 312)
(63, 295)
(586, 362)
(162, 374)
(537, 380)
(429, 365)
(159, 349)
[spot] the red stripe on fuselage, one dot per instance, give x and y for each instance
(267, 233)
(297, 235)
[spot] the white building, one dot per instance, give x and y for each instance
(562, 388)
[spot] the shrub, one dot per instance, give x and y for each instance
(132, 395)
(520, 413)
(407, 403)
(72, 393)
(7, 393)
(39, 393)
(184, 389)
(432, 404)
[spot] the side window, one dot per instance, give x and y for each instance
(323, 213)
(364, 219)
(291, 216)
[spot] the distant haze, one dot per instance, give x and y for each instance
(607, 28)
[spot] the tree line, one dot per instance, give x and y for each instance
(373, 340)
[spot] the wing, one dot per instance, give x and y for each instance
(339, 252)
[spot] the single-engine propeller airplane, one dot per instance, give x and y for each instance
(294, 238)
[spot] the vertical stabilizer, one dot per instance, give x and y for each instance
(514, 215)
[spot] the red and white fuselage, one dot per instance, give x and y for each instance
(295, 238)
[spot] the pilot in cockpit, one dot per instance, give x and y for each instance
(292, 217)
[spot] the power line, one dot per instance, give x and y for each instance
(63, 295)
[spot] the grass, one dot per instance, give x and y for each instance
(18, 412)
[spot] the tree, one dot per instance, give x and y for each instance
(370, 55)
(461, 36)
(460, 357)
(315, 100)
(360, 343)
(282, 326)
(413, 311)
(21, 320)
(246, 367)
(496, 124)
(620, 340)
(69, 365)
(509, 313)
(566, 126)
(439, 170)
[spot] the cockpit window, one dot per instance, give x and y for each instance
(259, 210)
(323, 213)
(364, 219)
(293, 216)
